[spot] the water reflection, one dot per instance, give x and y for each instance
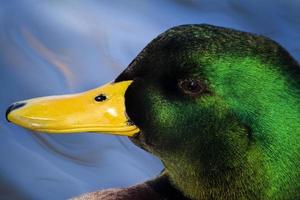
(57, 47)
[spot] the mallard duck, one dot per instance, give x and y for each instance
(219, 107)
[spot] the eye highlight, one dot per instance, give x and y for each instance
(191, 86)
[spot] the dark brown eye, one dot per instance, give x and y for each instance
(191, 86)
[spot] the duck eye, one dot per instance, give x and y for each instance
(100, 98)
(191, 87)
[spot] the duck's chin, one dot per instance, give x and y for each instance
(139, 140)
(136, 139)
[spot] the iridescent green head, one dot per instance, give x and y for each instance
(221, 109)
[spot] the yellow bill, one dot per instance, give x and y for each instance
(98, 110)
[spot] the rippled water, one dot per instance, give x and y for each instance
(57, 47)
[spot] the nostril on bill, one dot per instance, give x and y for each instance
(12, 107)
(101, 97)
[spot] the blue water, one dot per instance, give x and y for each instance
(56, 47)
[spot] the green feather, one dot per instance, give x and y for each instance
(240, 139)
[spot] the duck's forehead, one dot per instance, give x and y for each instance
(170, 56)
(180, 49)
(159, 63)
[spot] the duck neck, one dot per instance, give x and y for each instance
(217, 173)
(267, 100)
(163, 186)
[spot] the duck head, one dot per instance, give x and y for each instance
(218, 106)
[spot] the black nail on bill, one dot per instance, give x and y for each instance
(13, 107)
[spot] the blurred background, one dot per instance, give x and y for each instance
(57, 47)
